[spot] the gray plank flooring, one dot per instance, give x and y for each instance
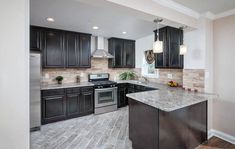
(104, 131)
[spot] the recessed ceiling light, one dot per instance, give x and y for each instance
(95, 27)
(124, 32)
(50, 19)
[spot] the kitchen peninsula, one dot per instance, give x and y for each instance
(167, 118)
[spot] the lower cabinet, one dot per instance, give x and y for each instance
(73, 103)
(87, 103)
(61, 104)
(127, 88)
(122, 99)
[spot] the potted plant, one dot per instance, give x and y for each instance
(78, 78)
(59, 79)
(128, 75)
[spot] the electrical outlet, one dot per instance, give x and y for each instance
(47, 76)
(169, 76)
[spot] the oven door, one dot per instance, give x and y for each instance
(105, 97)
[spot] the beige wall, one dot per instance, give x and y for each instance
(224, 71)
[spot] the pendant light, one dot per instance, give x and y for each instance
(158, 45)
(183, 47)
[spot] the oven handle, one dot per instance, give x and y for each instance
(106, 89)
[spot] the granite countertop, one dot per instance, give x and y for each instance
(65, 85)
(164, 97)
(168, 98)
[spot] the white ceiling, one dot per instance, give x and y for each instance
(203, 6)
(82, 15)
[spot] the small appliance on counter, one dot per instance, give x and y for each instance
(105, 93)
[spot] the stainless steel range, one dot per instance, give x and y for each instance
(105, 93)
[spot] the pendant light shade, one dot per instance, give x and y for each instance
(183, 49)
(158, 45)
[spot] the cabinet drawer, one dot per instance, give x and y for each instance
(73, 90)
(53, 92)
(87, 89)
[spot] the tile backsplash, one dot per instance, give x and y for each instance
(97, 66)
(189, 78)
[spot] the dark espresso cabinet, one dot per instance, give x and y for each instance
(72, 49)
(123, 51)
(127, 88)
(152, 128)
(35, 38)
(53, 105)
(61, 104)
(122, 91)
(172, 39)
(87, 101)
(61, 49)
(53, 49)
(85, 51)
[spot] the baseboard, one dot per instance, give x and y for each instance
(221, 135)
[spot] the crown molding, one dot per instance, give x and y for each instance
(209, 15)
(178, 7)
(225, 14)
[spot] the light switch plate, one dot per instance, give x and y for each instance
(169, 76)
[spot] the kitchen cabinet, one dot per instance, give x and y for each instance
(53, 106)
(61, 49)
(61, 104)
(53, 49)
(87, 101)
(152, 128)
(73, 97)
(172, 39)
(85, 51)
(35, 38)
(72, 49)
(122, 99)
(123, 51)
(127, 88)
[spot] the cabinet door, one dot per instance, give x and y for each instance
(161, 58)
(53, 50)
(72, 49)
(129, 54)
(73, 105)
(174, 47)
(53, 108)
(35, 38)
(118, 53)
(86, 103)
(121, 97)
(85, 51)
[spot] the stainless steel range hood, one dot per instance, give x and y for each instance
(100, 52)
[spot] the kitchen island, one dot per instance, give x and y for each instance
(168, 119)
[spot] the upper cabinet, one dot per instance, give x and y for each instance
(123, 51)
(53, 48)
(85, 51)
(61, 49)
(172, 39)
(35, 38)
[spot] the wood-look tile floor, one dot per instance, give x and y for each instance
(104, 131)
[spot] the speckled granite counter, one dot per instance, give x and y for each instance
(65, 85)
(167, 98)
